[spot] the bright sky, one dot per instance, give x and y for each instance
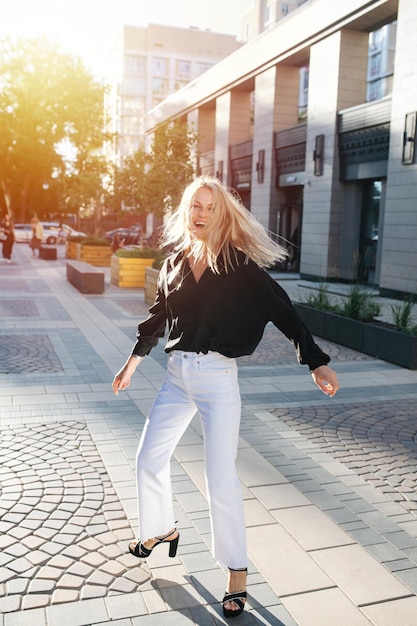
(88, 27)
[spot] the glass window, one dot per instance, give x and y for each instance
(267, 15)
(159, 87)
(375, 90)
(184, 70)
(202, 67)
(135, 64)
(285, 8)
(375, 64)
(159, 66)
(134, 86)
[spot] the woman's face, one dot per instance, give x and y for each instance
(201, 212)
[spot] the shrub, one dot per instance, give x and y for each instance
(135, 252)
(320, 299)
(360, 305)
(402, 316)
(75, 238)
(94, 241)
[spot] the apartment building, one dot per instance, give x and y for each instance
(264, 15)
(341, 182)
(147, 64)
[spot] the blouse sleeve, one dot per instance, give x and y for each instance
(280, 311)
(153, 328)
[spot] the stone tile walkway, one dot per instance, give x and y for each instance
(329, 485)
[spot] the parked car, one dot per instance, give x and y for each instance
(22, 233)
(53, 233)
(62, 231)
(128, 235)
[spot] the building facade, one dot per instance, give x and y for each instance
(264, 15)
(341, 183)
(146, 65)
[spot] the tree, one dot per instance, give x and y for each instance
(51, 124)
(129, 188)
(153, 182)
(172, 165)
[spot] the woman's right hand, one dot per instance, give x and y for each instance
(122, 379)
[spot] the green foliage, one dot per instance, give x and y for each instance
(360, 305)
(75, 238)
(51, 125)
(129, 185)
(94, 241)
(154, 182)
(402, 314)
(137, 253)
(320, 299)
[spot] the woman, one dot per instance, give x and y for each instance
(8, 241)
(216, 297)
(37, 234)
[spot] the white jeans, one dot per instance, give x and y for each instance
(207, 383)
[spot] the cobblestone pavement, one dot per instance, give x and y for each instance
(379, 443)
(329, 486)
(63, 529)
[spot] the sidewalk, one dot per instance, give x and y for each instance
(329, 485)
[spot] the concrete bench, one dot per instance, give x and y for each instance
(48, 252)
(85, 277)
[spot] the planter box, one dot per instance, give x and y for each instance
(151, 281)
(71, 250)
(99, 256)
(129, 272)
(374, 339)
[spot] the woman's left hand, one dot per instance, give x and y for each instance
(326, 379)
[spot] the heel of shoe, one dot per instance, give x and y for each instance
(173, 545)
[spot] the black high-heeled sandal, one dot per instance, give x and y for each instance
(238, 597)
(142, 552)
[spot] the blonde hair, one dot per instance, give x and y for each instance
(232, 227)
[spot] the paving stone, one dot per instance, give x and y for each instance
(10, 603)
(6, 574)
(114, 568)
(6, 541)
(70, 581)
(45, 533)
(19, 565)
(93, 591)
(112, 551)
(360, 576)
(50, 573)
(139, 575)
(90, 545)
(38, 557)
(122, 585)
(16, 585)
(61, 562)
(100, 578)
(32, 542)
(35, 601)
(80, 569)
(327, 606)
(41, 585)
(64, 596)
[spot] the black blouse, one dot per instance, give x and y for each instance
(225, 312)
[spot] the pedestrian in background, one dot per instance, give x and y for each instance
(37, 235)
(216, 297)
(7, 238)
